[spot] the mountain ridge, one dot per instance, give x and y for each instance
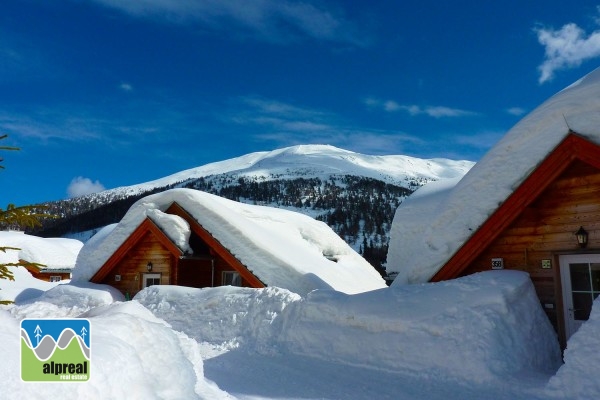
(389, 168)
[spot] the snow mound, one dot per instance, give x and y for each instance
(24, 286)
(578, 377)
(67, 301)
(134, 355)
(477, 328)
(224, 316)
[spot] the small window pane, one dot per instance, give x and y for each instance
(582, 305)
(580, 277)
(232, 278)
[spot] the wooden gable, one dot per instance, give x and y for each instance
(572, 149)
(125, 267)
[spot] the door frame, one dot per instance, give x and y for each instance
(570, 324)
(146, 275)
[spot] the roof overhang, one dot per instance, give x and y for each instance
(573, 147)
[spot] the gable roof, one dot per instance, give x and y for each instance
(147, 226)
(429, 229)
(280, 247)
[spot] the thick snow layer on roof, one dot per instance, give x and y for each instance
(423, 239)
(54, 253)
(282, 248)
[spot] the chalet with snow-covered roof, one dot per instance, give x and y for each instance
(531, 204)
(47, 259)
(190, 238)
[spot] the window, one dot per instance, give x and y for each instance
(150, 280)
(55, 278)
(231, 278)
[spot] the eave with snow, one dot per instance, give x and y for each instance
(190, 238)
(519, 208)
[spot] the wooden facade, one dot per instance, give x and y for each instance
(148, 257)
(47, 274)
(537, 224)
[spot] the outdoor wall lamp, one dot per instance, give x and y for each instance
(582, 237)
(149, 266)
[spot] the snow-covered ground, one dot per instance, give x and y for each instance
(480, 337)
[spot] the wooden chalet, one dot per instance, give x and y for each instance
(535, 230)
(47, 274)
(149, 257)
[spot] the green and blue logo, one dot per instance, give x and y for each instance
(55, 350)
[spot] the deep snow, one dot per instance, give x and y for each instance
(479, 337)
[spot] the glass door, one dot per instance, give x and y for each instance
(580, 277)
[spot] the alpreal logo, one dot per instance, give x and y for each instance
(55, 350)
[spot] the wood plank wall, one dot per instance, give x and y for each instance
(133, 266)
(545, 229)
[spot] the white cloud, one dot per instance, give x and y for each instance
(517, 111)
(565, 48)
(126, 87)
(412, 109)
(81, 186)
(272, 20)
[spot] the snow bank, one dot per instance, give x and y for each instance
(134, 355)
(67, 301)
(441, 229)
(479, 328)
(282, 248)
(24, 286)
(475, 329)
(224, 316)
(578, 377)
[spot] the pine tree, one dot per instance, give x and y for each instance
(15, 218)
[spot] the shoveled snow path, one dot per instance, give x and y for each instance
(255, 376)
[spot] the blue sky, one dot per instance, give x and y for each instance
(107, 93)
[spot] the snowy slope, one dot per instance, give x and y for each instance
(438, 222)
(312, 160)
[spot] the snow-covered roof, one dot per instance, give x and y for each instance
(282, 248)
(432, 224)
(53, 253)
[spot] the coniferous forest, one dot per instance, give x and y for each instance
(358, 209)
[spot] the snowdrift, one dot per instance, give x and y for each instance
(477, 328)
(578, 377)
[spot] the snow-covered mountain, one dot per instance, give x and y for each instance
(320, 161)
(355, 194)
